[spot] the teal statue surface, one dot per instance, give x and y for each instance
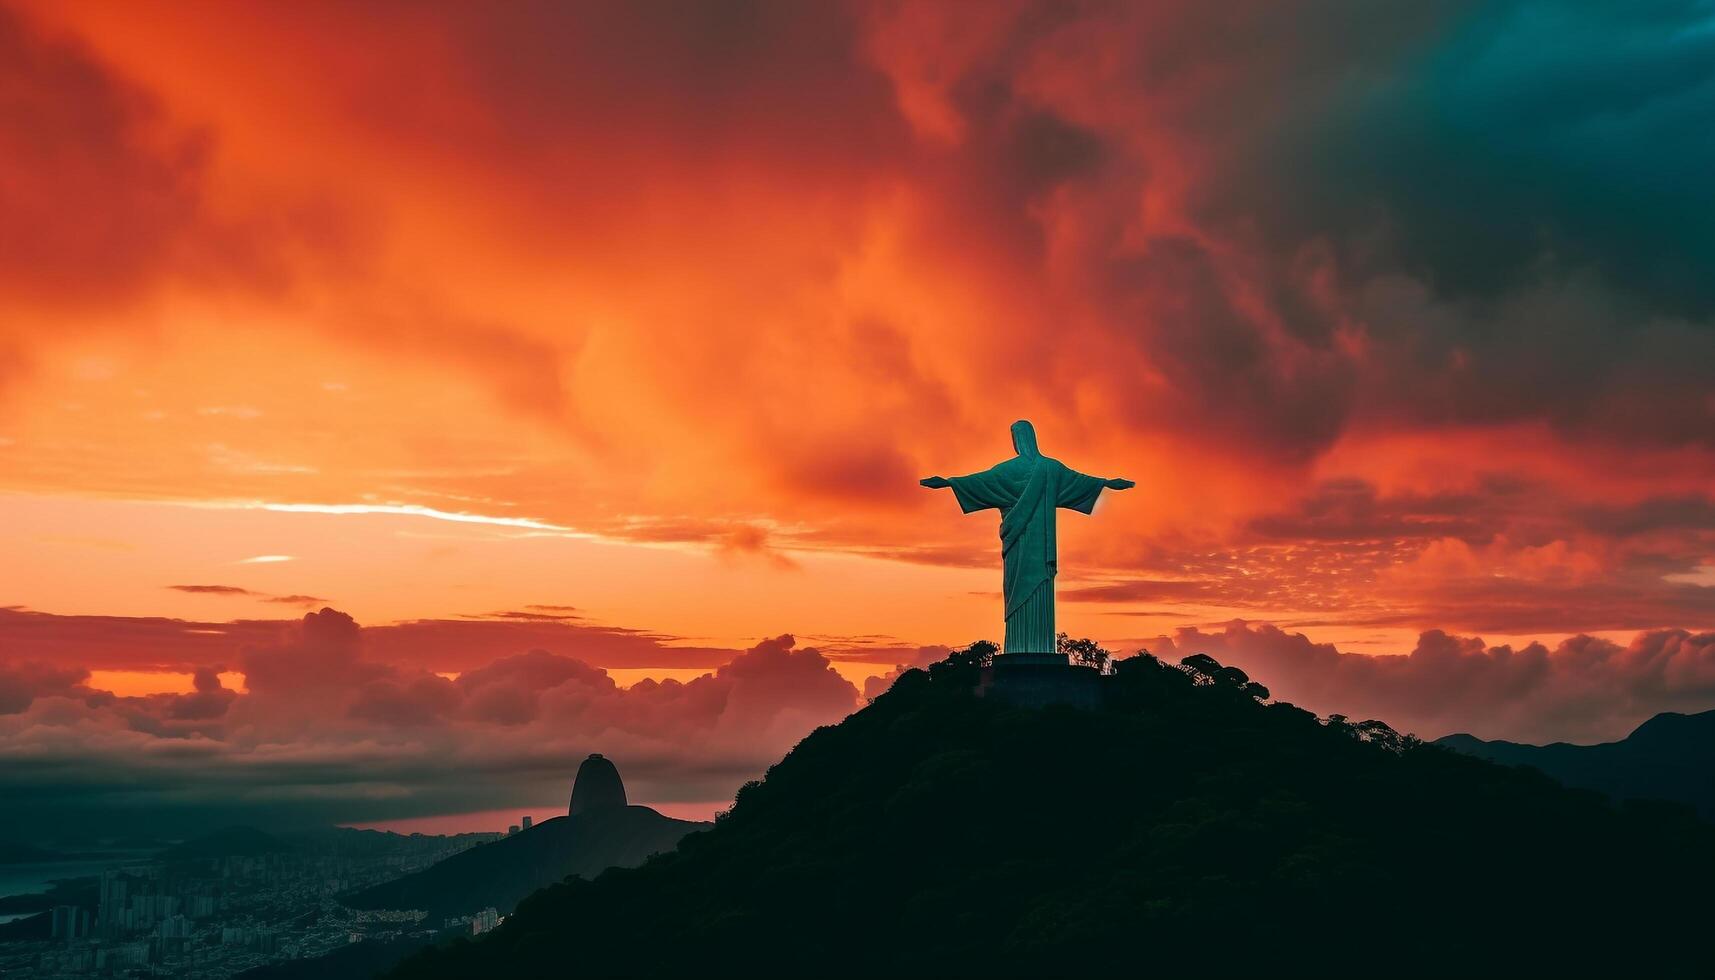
(1027, 489)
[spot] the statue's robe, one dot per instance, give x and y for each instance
(1027, 488)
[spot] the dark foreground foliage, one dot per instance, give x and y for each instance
(1187, 829)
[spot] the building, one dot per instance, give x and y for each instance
(512, 830)
(525, 823)
(69, 922)
(175, 927)
(483, 921)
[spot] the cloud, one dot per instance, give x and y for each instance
(22, 683)
(209, 700)
(1492, 554)
(446, 645)
(238, 592)
(508, 690)
(825, 250)
(422, 699)
(100, 190)
(323, 732)
(231, 590)
(126, 642)
(1584, 689)
(321, 655)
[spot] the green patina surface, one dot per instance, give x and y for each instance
(1027, 489)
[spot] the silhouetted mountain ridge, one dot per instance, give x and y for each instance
(1182, 829)
(500, 873)
(1669, 757)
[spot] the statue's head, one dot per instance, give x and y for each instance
(1024, 438)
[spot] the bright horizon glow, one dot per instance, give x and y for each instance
(409, 510)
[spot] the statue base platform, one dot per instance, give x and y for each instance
(1037, 680)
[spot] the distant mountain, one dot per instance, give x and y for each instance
(499, 874)
(1670, 757)
(1181, 828)
(229, 842)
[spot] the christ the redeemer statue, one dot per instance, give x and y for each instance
(1027, 488)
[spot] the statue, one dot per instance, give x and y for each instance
(1027, 488)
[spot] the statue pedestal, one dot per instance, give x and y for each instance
(1037, 680)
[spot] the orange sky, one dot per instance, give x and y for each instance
(401, 401)
(661, 317)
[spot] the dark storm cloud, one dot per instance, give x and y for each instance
(1451, 214)
(1534, 167)
(1519, 134)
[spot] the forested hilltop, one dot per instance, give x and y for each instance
(1188, 827)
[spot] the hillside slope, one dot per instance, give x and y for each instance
(1669, 757)
(500, 873)
(1182, 830)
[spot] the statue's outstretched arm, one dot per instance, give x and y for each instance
(1118, 483)
(935, 482)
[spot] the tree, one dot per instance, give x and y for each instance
(1084, 652)
(1382, 734)
(1201, 667)
(965, 662)
(1206, 670)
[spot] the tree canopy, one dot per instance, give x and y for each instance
(1212, 832)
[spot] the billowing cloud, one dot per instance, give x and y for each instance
(1584, 689)
(1321, 277)
(209, 700)
(324, 732)
(22, 683)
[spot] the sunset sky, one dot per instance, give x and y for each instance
(623, 332)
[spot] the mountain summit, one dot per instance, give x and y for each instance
(1669, 757)
(600, 832)
(1186, 827)
(597, 787)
